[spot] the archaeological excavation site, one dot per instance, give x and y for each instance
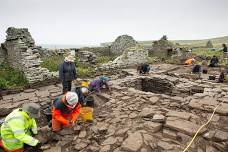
(162, 111)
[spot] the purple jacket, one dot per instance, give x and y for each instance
(97, 85)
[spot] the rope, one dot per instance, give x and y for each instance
(202, 127)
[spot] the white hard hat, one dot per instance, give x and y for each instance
(84, 90)
(71, 98)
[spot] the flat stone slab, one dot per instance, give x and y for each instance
(184, 126)
(208, 105)
(183, 115)
(152, 126)
(133, 143)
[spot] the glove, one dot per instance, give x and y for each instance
(72, 123)
(78, 122)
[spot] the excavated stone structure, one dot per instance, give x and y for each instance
(20, 52)
(137, 117)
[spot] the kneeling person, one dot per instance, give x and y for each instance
(65, 111)
(143, 68)
(18, 128)
(83, 96)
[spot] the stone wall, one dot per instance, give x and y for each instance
(99, 51)
(22, 53)
(86, 57)
(130, 57)
(2, 54)
(162, 48)
(121, 43)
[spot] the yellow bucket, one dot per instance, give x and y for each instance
(86, 114)
(85, 83)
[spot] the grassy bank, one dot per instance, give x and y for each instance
(11, 78)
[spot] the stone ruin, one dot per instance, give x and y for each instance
(19, 50)
(121, 43)
(86, 57)
(162, 48)
(131, 56)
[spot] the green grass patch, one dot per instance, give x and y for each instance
(206, 52)
(52, 63)
(105, 59)
(11, 78)
(84, 70)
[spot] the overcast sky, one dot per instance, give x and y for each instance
(80, 22)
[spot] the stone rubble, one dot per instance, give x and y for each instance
(135, 118)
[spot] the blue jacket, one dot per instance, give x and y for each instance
(67, 71)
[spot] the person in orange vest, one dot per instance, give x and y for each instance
(65, 111)
(190, 61)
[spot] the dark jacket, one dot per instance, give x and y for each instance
(225, 49)
(67, 71)
(81, 96)
(196, 68)
(214, 61)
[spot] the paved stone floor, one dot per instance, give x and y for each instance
(131, 119)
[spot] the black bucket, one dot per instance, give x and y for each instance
(211, 77)
(48, 114)
(89, 100)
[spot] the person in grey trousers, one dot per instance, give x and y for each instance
(67, 73)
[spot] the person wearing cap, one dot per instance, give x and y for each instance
(65, 111)
(18, 128)
(67, 73)
(96, 85)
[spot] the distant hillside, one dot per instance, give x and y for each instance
(217, 42)
(59, 46)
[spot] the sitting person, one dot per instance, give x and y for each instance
(190, 61)
(65, 111)
(143, 69)
(96, 85)
(214, 62)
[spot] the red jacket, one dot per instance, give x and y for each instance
(61, 112)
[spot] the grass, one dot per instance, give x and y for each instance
(206, 52)
(11, 78)
(52, 63)
(105, 59)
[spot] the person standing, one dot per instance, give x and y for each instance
(225, 52)
(18, 127)
(67, 73)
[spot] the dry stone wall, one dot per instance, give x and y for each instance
(130, 57)
(121, 43)
(22, 53)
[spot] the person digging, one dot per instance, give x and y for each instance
(19, 127)
(65, 111)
